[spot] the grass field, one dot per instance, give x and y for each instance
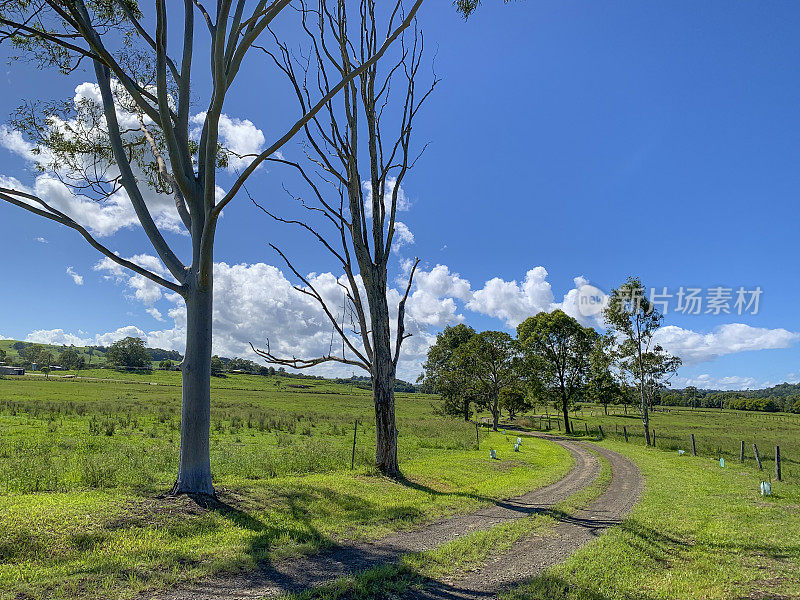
(718, 433)
(82, 462)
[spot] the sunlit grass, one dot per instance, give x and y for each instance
(82, 464)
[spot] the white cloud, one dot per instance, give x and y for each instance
(155, 313)
(707, 381)
(55, 337)
(78, 279)
(402, 236)
(58, 337)
(144, 290)
(403, 202)
(240, 136)
(440, 282)
(514, 302)
(694, 347)
(42, 240)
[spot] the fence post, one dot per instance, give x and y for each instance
(625, 432)
(778, 463)
(602, 435)
(586, 425)
(353, 457)
(477, 435)
(741, 452)
(694, 447)
(758, 457)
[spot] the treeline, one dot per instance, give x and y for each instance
(780, 398)
(554, 359)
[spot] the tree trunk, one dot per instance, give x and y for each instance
(194, 471)
(565, 411)
(605, 406)
(385, 426)
(645, 415)
(495, 414)
(383, 376)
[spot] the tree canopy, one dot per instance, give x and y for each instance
(556, 349)
(129, 353)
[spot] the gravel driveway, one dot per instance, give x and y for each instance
(527, 557)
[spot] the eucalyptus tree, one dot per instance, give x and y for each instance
(633, 321)
(446, 371)
(355, 192)
(138, 139)
(494, 365)
(558, 348)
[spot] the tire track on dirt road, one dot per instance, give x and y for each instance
(293, 575)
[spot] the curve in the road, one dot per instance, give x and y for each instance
(532, 555)
(295, 575)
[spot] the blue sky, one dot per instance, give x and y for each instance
(593, 139)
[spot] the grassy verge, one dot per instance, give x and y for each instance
(82, 464)
(700, 531)
(416, 570)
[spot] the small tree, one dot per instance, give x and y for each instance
(166, 365)
(31, 353)
(217, 366)
(128, 353)
(494, 365)
(633, 320)
(558, 349)
(446, 371)
(514, 401)
(69, 358)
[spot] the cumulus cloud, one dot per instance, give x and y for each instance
(440, 282)
(77, 279)
(514, 302)
(694, 347)
(258, 302)
(42, 240)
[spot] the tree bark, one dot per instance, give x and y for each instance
(565, 411)
(194, 470)
(385, 426)
(383, 378)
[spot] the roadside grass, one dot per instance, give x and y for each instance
(420, 569)
(700, 531)
(82, 464)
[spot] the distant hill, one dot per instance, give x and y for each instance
(95, 356)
